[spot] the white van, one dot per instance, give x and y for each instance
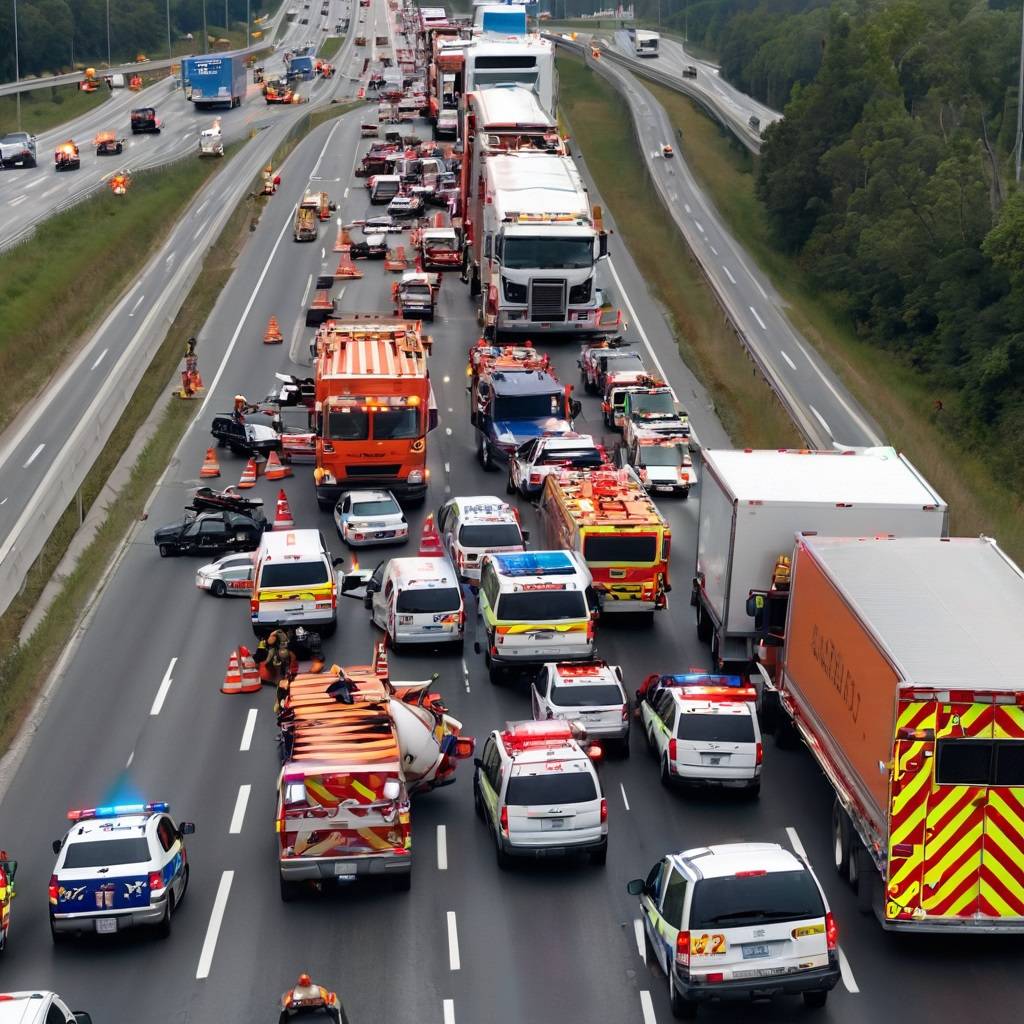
(294, 583)
(384, 188)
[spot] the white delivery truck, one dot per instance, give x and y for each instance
(753, 503)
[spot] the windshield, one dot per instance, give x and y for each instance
(351, 423)
(661, 455)
(348, 423)
(595, 695)
(440, 599)
(293, 574)
(530, 790)
(776, 896)
(541, 606)
(581, 459)
(620, 547)
(716, 728)
(396, 424)
(525, 253)
(107, 853)
(528, 407)
(490, 535)
(660, 402)
(385, 507)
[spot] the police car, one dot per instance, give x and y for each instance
(364, 518)
(230, 576)
(472, 527)
(536, 789)
(589, 693)
(37, 1006)
(118, 867)
(742, 920)
(703, 730)
(533, 461)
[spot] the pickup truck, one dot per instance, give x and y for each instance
(307, 223)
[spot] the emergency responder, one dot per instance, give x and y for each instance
(240, 408)
(191, 382)
(278, 663)
(306, 997)
(7, 869)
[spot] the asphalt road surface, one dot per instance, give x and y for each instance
(136, 712)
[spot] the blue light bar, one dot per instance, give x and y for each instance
(118, 811)
(702, 679)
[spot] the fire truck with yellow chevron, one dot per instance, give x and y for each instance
(607, 517)
(896, 673)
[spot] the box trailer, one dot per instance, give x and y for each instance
(214, 80)
(899, 674)
(753, 502)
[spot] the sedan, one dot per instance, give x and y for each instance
(230, 576)
(366, 518)
(534, 460)
(405, 206)
(210, 533)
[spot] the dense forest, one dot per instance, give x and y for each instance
(55, 35)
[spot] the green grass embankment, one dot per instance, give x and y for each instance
(43, 109)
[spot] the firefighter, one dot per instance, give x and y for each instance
(307, 997)
(241, 407)
(279, 664)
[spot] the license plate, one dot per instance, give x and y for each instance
(752, 952)
(552, 823)
(664, 488)
(343, 870)
(384, 533)
(543, 635)
(714, 760)
(105, 925)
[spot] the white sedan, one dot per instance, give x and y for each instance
(366, 518)
(230, 576)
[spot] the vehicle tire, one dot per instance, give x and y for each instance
(840, 840)
(650, 953)
(486, 456)
(504, 859)
(59, 938)
(394, 646)
(474, 283)
(704, 624)
(786, 736)
(624, 748)
(666, 778)
(329, 630)
(163, 929)
(289, 891)
(649, 736)
(166, 551)
(218, 589)
(599, 857)
(324, 506)
(368, 602)
(402, 882)
(860, 873)
(816, 998)
(496, 674)
(682, 1008)
(184, 887)
(754, 791)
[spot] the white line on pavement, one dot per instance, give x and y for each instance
(647, 1007)
(99, 359)
(624, 800)
(201, 208)
(714, 250)
(728, 273)
(32, 184)
(250, 725)
(449, 1011)
(344, 196)
(700, 227)
(764, 326)
(165, 685)
(442, 848)
(453, 942)
(35, 455)
(847, 974)
(792, 365)
(305, 294)
(323, 252)
(638, 933)
(220, 903)
(686, 207)
(131, 757)
(170, 259)
(199, 230)
(241, 802)
(821, 419)
(50, 191)
(635, 320)
(16, 202)
(465, 674)
(138, 302)
(794, 841)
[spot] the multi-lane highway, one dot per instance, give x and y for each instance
(135, 711)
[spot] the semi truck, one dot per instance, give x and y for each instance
(214, 80)
(895, 674)
(753, 502)
(528, 61)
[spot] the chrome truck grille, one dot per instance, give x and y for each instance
(547, 301)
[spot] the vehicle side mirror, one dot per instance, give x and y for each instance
(526, 535)
(392, 789)
(433, 419)
(635, 887)
(338, 562)
(187, 828)
(56, 844)
(756, 601)
(11, 867)
(356, 584)
(478, 762)
(602, 246)
(575, 407)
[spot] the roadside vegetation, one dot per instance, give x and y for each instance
(601, 129)
(43, 109)
(330, 47)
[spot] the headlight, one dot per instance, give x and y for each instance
(580, 292)
(416, 476)
(513, 292)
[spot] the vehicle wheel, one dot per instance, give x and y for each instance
(59, 938)
(682, 1008)
(368, 602)
(218, 589)
(289, 891)
(666, 778)
(816, 999)
(704, 626)
(393, 645)
(474, 284)
(184, 886)
(324, 506)
(496, 674)
(486, 455)
(402, 882)
(504, 859)
(649, 736)
(754, 790)
(650, 953)
(329, 630)
(163, 929)
(861, 875)
(786, 736)
(840, 840)
(166, 551)
(599, 857)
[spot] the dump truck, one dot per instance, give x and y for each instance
(214, 80)
(753, 502)
(894, 672)
(307, 221)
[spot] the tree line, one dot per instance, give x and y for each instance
(56, 35)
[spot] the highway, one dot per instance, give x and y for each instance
(135, 712)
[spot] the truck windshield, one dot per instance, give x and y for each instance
(753, 898)
(661, 455)
(348, 423)
(396, 424)
(107, 853)
(659, 403)
(527, 407)
(541, 606)
(527, 253)
(620, 547)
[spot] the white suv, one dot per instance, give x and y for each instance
(475, 526)
(38, 1007)
(704, 731)
(536, 789)
(589, 693)
(739, 921)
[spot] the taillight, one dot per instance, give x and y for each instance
(831, 931)
(683, 949)
(156, 882)
(334, 598)
(604, 810)
(759, 753)
(714, 978)
(672, 750)
(535, 478)
(504, 821)
(254, 604)
(54, 888)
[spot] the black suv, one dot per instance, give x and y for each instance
(250, 438)
(210, 533)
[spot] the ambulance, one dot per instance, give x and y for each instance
(608, 520)
(536, 606)
(294, 584)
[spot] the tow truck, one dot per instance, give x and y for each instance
(662, 460)
(653, 409)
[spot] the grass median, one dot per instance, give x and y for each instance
(43, 109)
(330, 47)
(901, 401)
(602, 131)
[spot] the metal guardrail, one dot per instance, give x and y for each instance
(810, 431)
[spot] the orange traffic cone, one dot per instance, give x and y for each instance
(346, 268)
(379, 667)
(273, 335)
(430, 541)
(233, 676)
(344, 240)
(250, 677)
(395, 260)
(211, 467)
(438, 219)
(283, 514)
(248, 478)
(275, 469)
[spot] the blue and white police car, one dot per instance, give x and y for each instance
(118, 867)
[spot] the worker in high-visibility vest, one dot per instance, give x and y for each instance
(7, 869)
(308, 998)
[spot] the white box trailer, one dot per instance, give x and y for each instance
(752, 503)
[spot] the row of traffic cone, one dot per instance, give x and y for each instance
(242, 676)
(273, 469)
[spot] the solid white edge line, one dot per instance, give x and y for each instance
(250, 726)
(622, 788)
(638, 933)
(635, 321)
(847, 973)
(449, 1011)
(453, 942)
(794, 841)
(238, 816)
(647, 1008)
(442, 848)
(161, 693)
(305, 294)
(220, 903)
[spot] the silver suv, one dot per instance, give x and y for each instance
(18, 148)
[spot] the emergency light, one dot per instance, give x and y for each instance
(703, 684)
(118, 810)
(520, 736)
